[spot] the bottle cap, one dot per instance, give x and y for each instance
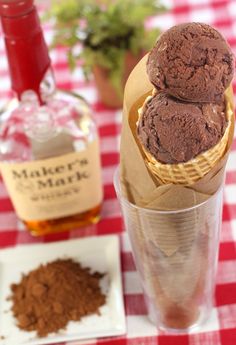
(15, 8)
(26, 48)
(19, 18)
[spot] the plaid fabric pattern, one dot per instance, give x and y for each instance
(221, 328)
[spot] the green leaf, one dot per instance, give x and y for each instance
(71, 59)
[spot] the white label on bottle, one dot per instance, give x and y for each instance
(55, 187)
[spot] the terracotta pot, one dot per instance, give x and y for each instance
(106, 91)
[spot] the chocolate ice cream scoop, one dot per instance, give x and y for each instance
(174, 131)
(192, 62)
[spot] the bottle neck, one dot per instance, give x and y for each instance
(27, 52)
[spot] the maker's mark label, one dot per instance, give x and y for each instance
(55, 187)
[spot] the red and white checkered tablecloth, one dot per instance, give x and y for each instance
(221, 328)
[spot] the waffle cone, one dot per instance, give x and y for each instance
(190, 172)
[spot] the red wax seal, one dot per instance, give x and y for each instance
(27, 51)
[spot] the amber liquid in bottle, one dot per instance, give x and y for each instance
(43, 227)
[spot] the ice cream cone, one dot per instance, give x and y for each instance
(174, 252)
(190, 172)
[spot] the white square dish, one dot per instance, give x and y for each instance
(100, 253)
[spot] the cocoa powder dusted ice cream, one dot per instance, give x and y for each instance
(174, 131)
(190, 67)
(192, 62)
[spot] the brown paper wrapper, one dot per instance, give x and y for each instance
(165, 240)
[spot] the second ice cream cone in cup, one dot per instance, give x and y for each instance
(171, 178)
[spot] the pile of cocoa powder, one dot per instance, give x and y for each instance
(50, 296)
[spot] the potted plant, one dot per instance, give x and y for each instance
(108, 36)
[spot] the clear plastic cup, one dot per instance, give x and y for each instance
(176, 255)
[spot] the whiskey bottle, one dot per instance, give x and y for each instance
(49, 147)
